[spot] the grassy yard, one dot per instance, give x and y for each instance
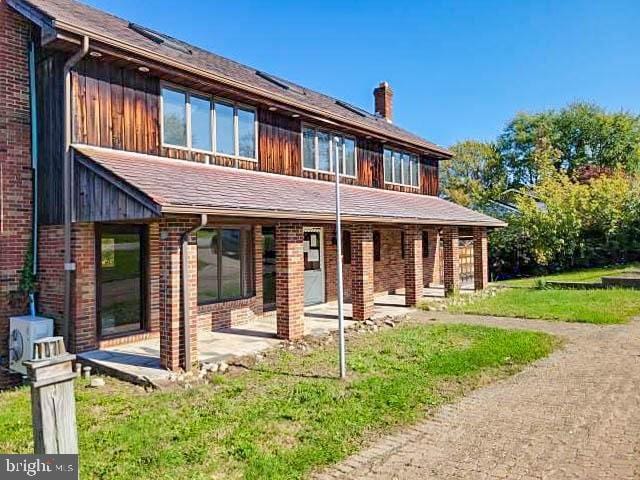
(582, 275)
(588, 306)
(288, 414)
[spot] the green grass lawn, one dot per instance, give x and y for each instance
(288, 414)
(588, 306)
(582, 275)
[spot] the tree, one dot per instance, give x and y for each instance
(579, 135)
(474, 175)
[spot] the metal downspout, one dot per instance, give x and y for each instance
(69, 266)
(184, 280)
(34, 150)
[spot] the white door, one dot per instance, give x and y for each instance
(313, 266)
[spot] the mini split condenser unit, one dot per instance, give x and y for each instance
(23, 333)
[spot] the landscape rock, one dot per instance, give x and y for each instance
(97, 382)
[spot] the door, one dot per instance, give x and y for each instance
(313, 266)
(120, 279)
(466, 261)
(268, 268)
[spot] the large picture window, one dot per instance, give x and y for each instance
(401, 168)
(199, 122)
(321, 150)
(225, 264)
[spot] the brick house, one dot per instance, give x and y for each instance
(175, 191)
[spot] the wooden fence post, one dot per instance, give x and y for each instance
(53, 404)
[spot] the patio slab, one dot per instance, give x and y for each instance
(139, 362)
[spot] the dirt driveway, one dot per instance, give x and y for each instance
(575, 414)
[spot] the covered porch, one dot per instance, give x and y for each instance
(228, 261)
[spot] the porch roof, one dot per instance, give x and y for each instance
(178, 186)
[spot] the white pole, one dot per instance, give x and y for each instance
(343, 368)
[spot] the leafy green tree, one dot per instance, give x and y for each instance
(578, 135)
(474, 175)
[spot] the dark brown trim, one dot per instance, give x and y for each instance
(145, 266)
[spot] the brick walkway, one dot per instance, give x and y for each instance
(575, 414)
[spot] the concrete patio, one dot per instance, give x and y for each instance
(139, 362)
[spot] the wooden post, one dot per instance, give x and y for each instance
(53, 405)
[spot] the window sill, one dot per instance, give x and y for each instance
(213, 306)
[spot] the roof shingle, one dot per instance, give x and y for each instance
(189, 187)
(89, 19)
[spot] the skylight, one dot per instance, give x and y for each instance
(280, 82)
(353, 108)
(159, 38)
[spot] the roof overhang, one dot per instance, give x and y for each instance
(167, 186)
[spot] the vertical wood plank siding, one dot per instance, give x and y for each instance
(120, 109)
(279, 144)
(115, 108)
(50, 103)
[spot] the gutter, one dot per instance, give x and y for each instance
(34, 156)
(69, 266)
(184, 280)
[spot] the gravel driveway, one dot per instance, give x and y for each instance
(575, 414)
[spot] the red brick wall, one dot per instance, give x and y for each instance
(413, 262)
(83, 298)
(431, 265)
(15, 165)
(51, 273)
(290, 280)
(451, 253)
(362, 271)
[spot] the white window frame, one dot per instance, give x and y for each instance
(212, 102)
(394, 153)
(332, 150)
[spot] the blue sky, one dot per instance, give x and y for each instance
(458, 69)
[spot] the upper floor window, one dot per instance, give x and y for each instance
(401, 168)
(321, 150)
(211, 125)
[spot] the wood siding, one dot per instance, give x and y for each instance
(119, 108)
(50, 107)
(100, 197)
(115, 108)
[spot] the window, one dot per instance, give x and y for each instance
(174, 118)
(346, 247)
(225, 260)
(401, 168)
(376, 247)
(320, 151)
(402, 245)
(425, 244)
(201, 123)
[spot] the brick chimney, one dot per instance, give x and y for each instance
(383, 96)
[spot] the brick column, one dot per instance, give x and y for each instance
(362, 272)
(413, 278)
(451, 253)
(172, 350)
(83, 289)
(431, 265)
(289, 280)
(480, 258)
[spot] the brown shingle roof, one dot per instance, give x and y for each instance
(189, 187)
(70, 14)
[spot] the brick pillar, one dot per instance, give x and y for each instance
(480, 258)
(451, 253)
(431, 261)
(290, 280)
(413, 278)
(83, 327)
(362, 272)
(172, 349)
(15, 163)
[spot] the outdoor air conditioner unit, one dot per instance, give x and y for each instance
(24, 331)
